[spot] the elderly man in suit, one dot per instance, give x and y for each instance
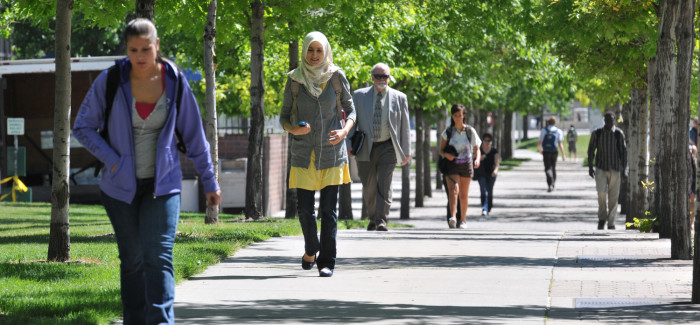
(382, 114)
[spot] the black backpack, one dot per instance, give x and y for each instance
(113, 79)
(548, 143)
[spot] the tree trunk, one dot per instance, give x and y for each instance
(253, 198)
(145, 9)
(427, 153)
(506, 149)
(653, 196)
(526, 126)
(59, 233)
(696, 264)
(625, 112)
(441, 124)
(498, 129)
(291, 210)
(480, 123)
(470, 117)
(696, 241)
(495, 128)
(665, 103)
(685, 31)
(419, 157)
(405, 191)
(637, 150)
(210, 124)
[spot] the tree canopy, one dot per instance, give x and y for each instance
(440, 51)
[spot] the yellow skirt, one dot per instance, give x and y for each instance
(313, 180)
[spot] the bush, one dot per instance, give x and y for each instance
(643, 225)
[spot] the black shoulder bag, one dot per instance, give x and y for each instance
(444, 164)
(356, 140)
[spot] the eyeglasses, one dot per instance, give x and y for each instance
(381, 76)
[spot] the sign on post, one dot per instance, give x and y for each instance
(15, 126)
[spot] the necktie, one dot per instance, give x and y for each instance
(377, 121)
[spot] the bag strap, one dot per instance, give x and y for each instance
(335, 81)
(469, 133)
(294, 86)
(113, 79)
(180, 143)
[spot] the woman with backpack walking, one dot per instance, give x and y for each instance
(141, 179)
(316, 97)
(460, 145)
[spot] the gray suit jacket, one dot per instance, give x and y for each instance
(398, 122)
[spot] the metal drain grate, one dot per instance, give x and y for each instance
(602, 303)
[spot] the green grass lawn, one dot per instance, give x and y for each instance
(581, 146)
(86, 289)
(509, 164)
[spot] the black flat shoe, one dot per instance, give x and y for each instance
(325, 272)
(371, 227)
(307, 265)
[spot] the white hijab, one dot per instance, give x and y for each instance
(312, 77)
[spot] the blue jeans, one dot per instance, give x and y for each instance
(329, 224)
(486, 187)
(145, 232)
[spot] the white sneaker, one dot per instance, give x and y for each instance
(452, 222)
(483, 213)
(463, 225)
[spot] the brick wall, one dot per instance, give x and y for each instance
(235, 146)
(275, 173)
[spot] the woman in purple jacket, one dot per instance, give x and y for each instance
(141, 181)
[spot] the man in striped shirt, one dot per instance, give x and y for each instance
(607, 148)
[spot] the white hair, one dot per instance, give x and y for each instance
(380, 64)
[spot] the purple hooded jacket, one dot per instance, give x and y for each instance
(121, 184)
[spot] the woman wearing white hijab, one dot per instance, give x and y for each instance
(318, 152)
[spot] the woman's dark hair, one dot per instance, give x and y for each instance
(487, 135)
(142, 27)
(456, 108)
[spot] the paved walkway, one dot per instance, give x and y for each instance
(538, 259)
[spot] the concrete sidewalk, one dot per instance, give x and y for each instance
(538, 259)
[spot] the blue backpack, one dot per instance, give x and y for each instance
(549, 143)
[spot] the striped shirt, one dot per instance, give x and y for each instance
(608, 148)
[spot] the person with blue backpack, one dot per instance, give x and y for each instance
(142, 108)
(551, 139)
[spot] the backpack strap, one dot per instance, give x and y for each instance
(113, 79)
(294, 86)
(178, 101)
(469, 129)
(335, 81)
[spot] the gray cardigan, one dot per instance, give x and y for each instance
(321, 114)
